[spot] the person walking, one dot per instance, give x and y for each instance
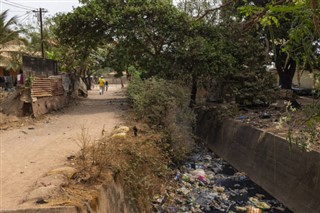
(101, 85)
(107, 85)
(20, 78)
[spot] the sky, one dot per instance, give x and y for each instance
(23, 9)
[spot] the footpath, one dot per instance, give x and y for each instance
(28, 152)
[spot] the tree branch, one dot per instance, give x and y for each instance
(314, 6)
(257, 16)
(206, 12)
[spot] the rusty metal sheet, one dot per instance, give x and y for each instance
(47, 87)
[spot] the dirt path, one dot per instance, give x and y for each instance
(26, 153)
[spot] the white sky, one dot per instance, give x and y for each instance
(23, 8)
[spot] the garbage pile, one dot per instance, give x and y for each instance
(207, 183)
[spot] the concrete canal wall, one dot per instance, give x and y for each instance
(111, 199)
(286, 172)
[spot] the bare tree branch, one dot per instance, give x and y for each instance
(206, 12)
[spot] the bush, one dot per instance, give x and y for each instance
(163, 105)
(154, 99)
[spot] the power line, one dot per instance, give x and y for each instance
(26, 16)
(24, 7)
(52, 1)
(26, 13)
(18, 11)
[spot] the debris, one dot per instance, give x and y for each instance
(177, 177)
(265, 115)
(24, 132)
(41, 201)
(260, 196)
(241, 209)
(119, 135)
(135, 131)
(67, 171)
(186, 177)
(219, 189)
(4, 127)
(280, 208)
(207, 157)
(242, 117)
(121, 129)
(205, 183)
(183, 190)
(259, 204)
(202, 179)
(252, 209)
(199, 172)
(71, 157)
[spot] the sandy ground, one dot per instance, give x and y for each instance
(28, 152)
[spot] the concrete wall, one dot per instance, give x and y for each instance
(111, 199)
(46, 104)
(67, 209)
(287, 173)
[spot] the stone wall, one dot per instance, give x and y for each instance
(285, 171)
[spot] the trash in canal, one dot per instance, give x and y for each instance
(207, 183)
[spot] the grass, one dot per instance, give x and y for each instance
(141, 164)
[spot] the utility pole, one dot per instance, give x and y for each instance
(40, 11)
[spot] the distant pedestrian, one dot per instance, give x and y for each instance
(101, 85)
(20, 78)
(106, 85)
(6, 83)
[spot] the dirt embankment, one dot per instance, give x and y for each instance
(30, 148)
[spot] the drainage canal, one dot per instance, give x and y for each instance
(207, 183)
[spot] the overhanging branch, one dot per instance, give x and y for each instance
(206, 12)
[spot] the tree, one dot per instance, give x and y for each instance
(222, 50)
(9, 37)
(156, 38)
(196, 8)
(7, 34)
(292, 29)
(80, 31)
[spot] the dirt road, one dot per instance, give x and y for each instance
(26, 153)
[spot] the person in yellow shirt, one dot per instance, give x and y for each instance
(101, 85)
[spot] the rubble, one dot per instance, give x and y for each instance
(207, 183)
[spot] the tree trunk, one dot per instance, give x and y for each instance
(88, 82)
(194, 90)
(286, 69)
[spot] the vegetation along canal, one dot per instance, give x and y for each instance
(207, 183)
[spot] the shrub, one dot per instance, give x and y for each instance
(153, 99)
(163, 105)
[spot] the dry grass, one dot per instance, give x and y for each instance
(139, 163)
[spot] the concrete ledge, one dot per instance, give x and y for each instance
(112, 198)
(65, 209)
(46, 104)
(286, 172)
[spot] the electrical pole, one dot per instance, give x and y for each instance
(40, 11)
